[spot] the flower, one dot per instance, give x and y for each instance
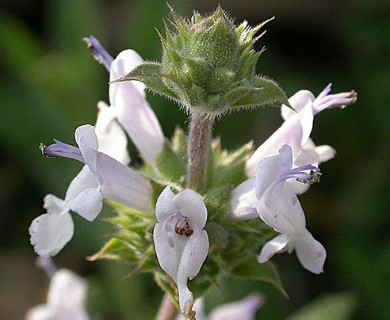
(128, 103)
(114, 181)
(110, 135)
(180, 241)
(244, 309)
(208, 66)
(65, 299)
(296, 130)
(274, 200)
(102, 177)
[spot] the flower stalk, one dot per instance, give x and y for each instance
(198, 147)
(167, 309)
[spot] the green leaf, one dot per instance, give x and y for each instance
(170, 166)
(266, 272)
(150, 74)
(237, 93)
(113, 250)
(339, 306)
(179, 143)
(229, 167)
(265, 92)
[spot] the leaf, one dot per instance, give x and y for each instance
(229, 167)
(179, 143)
(150, 74)
(170, 166)
(112, 250)
(253, 270)
(265, 92)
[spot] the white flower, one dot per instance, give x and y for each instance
(180, 241)
(110, 135)
(101, 178)
(244, 309)
(128, 102)
(276, 203)
(296, 130)
(115, 181)
(130, 107)
(65, 299)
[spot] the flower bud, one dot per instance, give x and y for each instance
(208, 66)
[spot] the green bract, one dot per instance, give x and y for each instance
(208, 66)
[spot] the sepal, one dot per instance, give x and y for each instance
(132, 241)
(151, 75)
(265, 92)
(170, 166)
(226, 168)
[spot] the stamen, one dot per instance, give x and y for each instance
(314, 177)
(61, 150)
(183, 227)
(98, 52)
(326, 101)
(299, 173)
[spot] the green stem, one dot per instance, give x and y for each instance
(198, 147)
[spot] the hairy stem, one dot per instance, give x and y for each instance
(198, 147)
(167, 309)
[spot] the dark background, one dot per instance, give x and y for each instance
(49, 85)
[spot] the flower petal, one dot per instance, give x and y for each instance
(164, 205)
(117, 182)
(40, 312)
(67, 295)
(122, 184)
(244, 309)
(111, 137)
(273, 247)
(306, 117)
(282, 211)
(325, 153)
(87, 141)
(132, 110)
(49, 233)
(85, 179)
(311, 253)
(290, 132)
(190, 204)
(191, 260)
(243, 201)
(298, 101)
(168, 256)
(125, 61)
(88, 203)
(54, 205)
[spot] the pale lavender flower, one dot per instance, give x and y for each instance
(101, 178)
(116, 181)
(180, 241)
(244, 309)
(128, 102)
(274, 200)
(65, 299)
(296, 130)
(98, 52)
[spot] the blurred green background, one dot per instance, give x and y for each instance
(49, 85)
